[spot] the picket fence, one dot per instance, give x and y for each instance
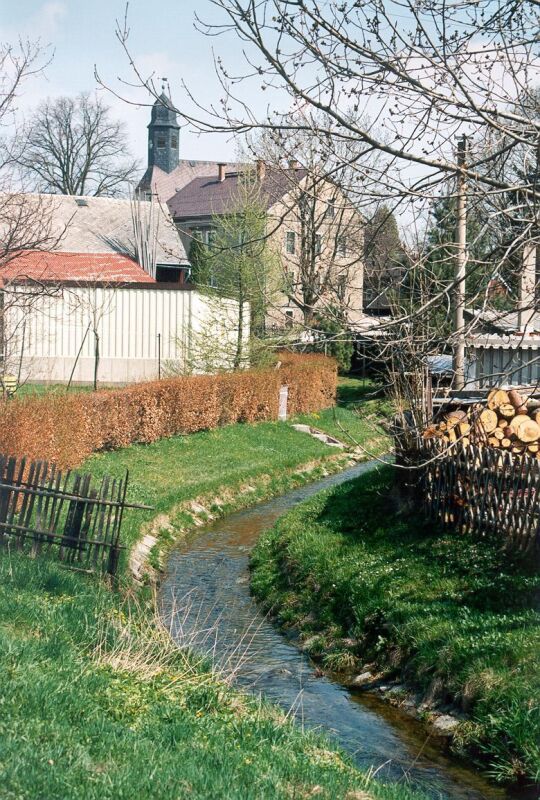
(64, 514)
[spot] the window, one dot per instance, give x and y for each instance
(290, 242)
(318, 244)
(174, 141)
(342, 246)
(289, 319)
(204, 235)
(161, 141)
(330, 210)
(289, 280)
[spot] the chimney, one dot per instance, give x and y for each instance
(293, 164)
(221, 172)
(261, 170)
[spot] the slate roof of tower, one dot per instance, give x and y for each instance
(207, 196)
(163, 112)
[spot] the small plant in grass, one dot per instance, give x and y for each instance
(340, 661)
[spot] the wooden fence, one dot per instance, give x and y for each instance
(65, 514)
(483, 491)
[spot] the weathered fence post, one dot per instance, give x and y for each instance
(79, 522)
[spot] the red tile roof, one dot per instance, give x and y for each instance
(53, 267)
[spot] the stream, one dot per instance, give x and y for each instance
(206, 604)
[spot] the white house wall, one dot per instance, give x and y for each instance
(50, 332)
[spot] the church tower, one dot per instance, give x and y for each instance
(163, 135)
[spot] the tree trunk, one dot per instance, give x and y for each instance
(96, 359)
(240, 335)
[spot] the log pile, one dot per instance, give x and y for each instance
(507, 421)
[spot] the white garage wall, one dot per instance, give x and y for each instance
(50, 331)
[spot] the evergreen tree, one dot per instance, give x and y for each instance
(384, 259)
(197, 259)
(335, 340)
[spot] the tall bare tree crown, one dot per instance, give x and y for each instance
(72, 145)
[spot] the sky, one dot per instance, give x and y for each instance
(80, 34)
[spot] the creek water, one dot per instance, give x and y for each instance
(206, 604)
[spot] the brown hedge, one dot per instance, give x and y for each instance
(67, 428)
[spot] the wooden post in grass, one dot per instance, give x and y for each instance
(283, 399)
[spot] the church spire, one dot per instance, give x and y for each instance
(163, 133)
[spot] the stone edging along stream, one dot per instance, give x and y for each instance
(148, 559)
(159, 536)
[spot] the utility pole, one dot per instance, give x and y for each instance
(460, 268)
(527, 301)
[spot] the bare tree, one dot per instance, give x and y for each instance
(320, 230)
(384, 264)
(26, 221)
(71, 145)
(428, 72)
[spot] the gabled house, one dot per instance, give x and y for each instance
(110, 302)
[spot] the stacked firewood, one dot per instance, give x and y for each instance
(508, 421)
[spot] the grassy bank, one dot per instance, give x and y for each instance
(454, 617)
(96, 703)
(166, 474)
(358, 417)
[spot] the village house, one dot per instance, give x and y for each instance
(316, 232)
(110, 302)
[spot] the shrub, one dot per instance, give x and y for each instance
(67, 428)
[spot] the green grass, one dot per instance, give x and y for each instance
(351, 390)
(33, 389)
(170, 471)
(357, 417)
(94, 706)
(96, 703)
(453, 616)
